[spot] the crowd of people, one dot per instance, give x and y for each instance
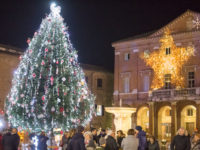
(79, 139)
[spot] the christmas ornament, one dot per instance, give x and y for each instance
(63, 79)
(34, 75)
(61, 109)
(30, 51)
(43, 97)
(28, 40)
(52, 80)
(35, 33)
(53, 109)
(42, 63)
(58, 99)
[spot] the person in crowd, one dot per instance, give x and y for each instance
(141, 135)
(25, 143)
(42, 141)
(120, 136)
(65, 140)
(94, 134)
(196, 130)
(101, 137)
(196, 145)
(111, 143)
(15, 139)
(77, 141)
(31, 137)
(130, 142)
(180, 141)
(89, 142)
(102, 133)
(7, 140)
(153, 144)
(1, 137)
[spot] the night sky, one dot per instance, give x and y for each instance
(93, 24)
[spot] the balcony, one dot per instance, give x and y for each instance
(175, 94)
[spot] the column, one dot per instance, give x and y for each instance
(198, 114)
(174, 120)
(151, 118)
(116, 78)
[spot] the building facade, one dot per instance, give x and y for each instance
(9, 59)
(99, 80)
(163, 110)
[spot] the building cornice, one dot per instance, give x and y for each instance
(144, 41)
(10, 49)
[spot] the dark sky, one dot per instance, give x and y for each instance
(93, 24)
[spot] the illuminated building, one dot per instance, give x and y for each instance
(158, 73)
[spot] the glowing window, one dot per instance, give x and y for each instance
(126, 85)
(99, 83)
(126, 56)
(168, 51)
(146, 83)
(146, 54)
(167, 81)
(191, 79)
(190, 112)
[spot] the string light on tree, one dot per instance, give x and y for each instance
(46, 86)
(169, 59)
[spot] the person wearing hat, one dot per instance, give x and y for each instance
(141, 135)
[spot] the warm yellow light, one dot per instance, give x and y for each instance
(169, 59)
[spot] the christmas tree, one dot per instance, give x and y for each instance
(49, 88)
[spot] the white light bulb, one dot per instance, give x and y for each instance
(55, 9)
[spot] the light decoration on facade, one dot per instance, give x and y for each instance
(196, 23)
(169, 59)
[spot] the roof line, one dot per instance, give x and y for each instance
(10, 49)
(154, 32)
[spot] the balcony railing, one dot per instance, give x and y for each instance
(175, 94)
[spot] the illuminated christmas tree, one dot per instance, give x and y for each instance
(49, 88)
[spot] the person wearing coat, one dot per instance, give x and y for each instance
(120, 137)
(42, 139)
(7, 141)
(196, 145)
(153, 144)
(141, 135)
(65, 140)
(180, 141)
(1, 137)
(130, 142)
(90, 144)
(77, 141)
(111, 143)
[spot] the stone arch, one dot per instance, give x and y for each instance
(164, 121)
(180, 106)
(143, 117)
(186, 115)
